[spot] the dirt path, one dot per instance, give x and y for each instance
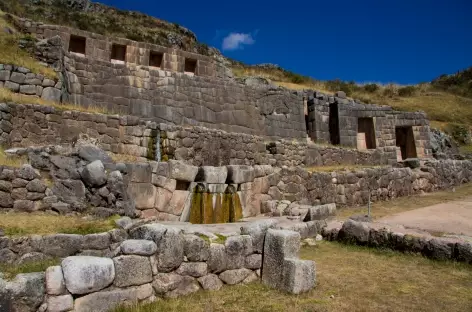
(454, 217)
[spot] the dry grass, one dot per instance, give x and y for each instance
(349, 278)
(11, 161)
(20, 224)
(339, 168)
(386, 208)
(12, 54)
(11, 270)
(8, 96)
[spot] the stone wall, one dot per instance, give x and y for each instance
(348, 112)
(36, 125)
(401, 239)
(22, 80)
(155, 261)
(353, 187)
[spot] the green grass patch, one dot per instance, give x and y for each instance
(11, 270)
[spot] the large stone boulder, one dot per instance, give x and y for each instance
(91, 153)
(181, 171)
(356, 232)
(51, 94)
(71, 192)
(94, 174)
(58, 245)
(210, 282)
(55, 284)
(257, 230)
(83, 274)
(233, 277)
(196, 248)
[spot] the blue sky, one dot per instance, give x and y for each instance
(403, 41)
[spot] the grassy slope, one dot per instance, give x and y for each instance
(349, 278)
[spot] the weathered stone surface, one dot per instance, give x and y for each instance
(170, 250)
(281, 268)
(299, 275)
(71, 192)
(176, 203)
(253, 262)
(105, 301)
(209, 174)
(187, 286)
(83, 274)
(32, 257)
(257, 231)
(140, 173)
(5, 200)
(92, 153)
(23, 205)
(233, 277)
(195, 269)
(94, 174)
(36, 185)
(217, 261)
(163, 198)
(139, 247)
(320, 212)
(144, 195)
(55, 284)
(51, 94)
(96, 241)
(210, 282)
(27, 172)
(60, 303)
(240, 174)
(196, 249)
(181, 171)
(164, 182)
(26, 291)
(132, 270)
(165, 282)
(237, 248)
(7, 256)
(58, 245)
(355, 232)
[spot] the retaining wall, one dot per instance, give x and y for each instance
(159, 261)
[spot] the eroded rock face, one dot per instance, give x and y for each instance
(132, 270)
(94, 174)
(232, 277)
(26, 291)
(83, 274)
(139, 247)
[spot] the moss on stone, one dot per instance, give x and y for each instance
(207, 208)
(221, 239)
(151, 148)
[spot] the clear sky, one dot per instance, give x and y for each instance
(403, 41)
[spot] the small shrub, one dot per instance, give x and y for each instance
(371, 87)
(407, 91)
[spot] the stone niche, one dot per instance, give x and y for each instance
(405, 143)
(155, 59)
(118, 52)
(190, 66)
(366, 134)
(77, 44)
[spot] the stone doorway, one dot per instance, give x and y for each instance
(77, 44)
(365, 134)
(405, 142)
(334, 135)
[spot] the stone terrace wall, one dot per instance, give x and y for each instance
(37, 125)
(352, 188)
(22, 80)
(158, 261)
(208, 147)
(180, 99)
(23, 125)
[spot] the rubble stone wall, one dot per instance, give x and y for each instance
(22, 80)
(149, 262)
(383, 183)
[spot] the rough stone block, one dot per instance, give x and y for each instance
(60, 303)
(51, 94)
(132, 270)
(299, 275)
(320, 212)
(257, 230)
(55, 284)
(209, 174)
(196, 249)
(353, 231)
(144, 195)
(194, 269)
(233, 277)
(181, 171)
(210, 282)
(139, 247)
(218, 260)
(105, 301)
(240, 174)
